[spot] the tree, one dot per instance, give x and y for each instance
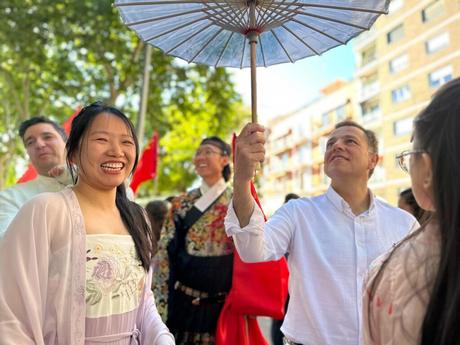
(56, 56)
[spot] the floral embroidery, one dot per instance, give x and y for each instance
(104, 270)
(206, 237)
(113, 278)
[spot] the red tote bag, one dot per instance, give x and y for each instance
(260, 288)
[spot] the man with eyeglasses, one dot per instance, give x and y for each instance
(44, 141)
(331, 238)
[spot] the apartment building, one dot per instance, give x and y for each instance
(406, 57)
(296, 144)
(287, 167)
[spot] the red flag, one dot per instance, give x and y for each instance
(147, 166)
(258, 289)
(68, 123)
(31, 173)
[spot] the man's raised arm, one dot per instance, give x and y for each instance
(249, 153)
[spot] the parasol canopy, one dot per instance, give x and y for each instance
(217, 32)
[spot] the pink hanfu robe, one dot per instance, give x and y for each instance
(42, 284)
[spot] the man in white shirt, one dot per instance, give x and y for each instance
(331, 238)
(44, 141)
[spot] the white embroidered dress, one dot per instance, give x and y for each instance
(114, 285)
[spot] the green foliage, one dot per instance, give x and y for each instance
(56, 56)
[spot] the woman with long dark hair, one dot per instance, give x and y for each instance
(413, 294)
(195, 255)
(75, 264)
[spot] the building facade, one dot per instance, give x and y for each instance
(402, 61)
(296, 144)
(405, 57)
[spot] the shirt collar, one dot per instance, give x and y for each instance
(341, 205)
(204, 187)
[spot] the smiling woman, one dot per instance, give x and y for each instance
(88, 248)
(109, 152)
(195, 255)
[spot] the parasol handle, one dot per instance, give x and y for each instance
(253, 36)
(253, 45)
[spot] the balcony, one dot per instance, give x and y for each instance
(369, 90)
(365, 38)
(371, 115)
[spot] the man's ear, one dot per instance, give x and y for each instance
(373, 160)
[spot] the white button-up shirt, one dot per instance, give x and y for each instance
(13, 198)
(330, 250)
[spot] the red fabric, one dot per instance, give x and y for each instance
(31, 173)
(261, 288)
(258, 289)
(67, 125)
(231, 329)
(147, 166)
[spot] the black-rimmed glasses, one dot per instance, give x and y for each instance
(403, 158)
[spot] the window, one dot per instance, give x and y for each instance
(306, 180)
(437, 43)
(395, 5)
(398, 64)
(370, 86)
(440, 76)
(370, 110)
(325, 120)
(322, 145)
(400, 94)
(432, 11)
(368, 55)
(341, 112)
(396, 34)
(402, 127)
(284, 159)
(304, 154)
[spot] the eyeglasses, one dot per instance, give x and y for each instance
(207, 153)
(403, 158)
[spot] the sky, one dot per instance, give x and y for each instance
(287, 87)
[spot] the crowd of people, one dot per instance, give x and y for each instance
(82, 263)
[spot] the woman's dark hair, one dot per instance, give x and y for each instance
(224, 148)
(436, 131)
(132, 214)
(408, 196)
(290, 196)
